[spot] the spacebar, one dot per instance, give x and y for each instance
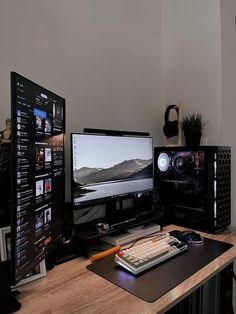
(156, 257)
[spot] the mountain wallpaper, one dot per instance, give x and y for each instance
(126, 170)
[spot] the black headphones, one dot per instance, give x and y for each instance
(170, 128)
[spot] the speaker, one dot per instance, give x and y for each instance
(194, 185)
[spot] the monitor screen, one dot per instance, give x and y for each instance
(105, 167)
(38, 127)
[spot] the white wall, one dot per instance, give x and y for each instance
(104, 57)
(192, 59)
(228, 13)
(199, 66)
(228, 31)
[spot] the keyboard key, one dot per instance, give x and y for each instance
(152, 252)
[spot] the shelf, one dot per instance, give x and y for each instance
(89, 232)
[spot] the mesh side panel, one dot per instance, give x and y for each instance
(223, 198)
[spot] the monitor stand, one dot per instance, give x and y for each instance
(8, 303)
(132, 234)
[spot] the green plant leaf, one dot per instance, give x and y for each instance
(194, 122)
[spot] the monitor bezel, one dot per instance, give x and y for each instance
(58, 239)
(118, 197)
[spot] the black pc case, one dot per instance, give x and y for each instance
(194, 185)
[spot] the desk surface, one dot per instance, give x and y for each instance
(71, 288)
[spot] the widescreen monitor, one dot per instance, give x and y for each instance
(38, 180)
(109, 167)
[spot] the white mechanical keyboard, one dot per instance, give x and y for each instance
(142, 256)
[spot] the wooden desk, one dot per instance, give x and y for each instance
(71, 288)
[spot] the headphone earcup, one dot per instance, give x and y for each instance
(170, 128)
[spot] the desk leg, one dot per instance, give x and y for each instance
(214, 297)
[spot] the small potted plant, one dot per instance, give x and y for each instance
(192, 126)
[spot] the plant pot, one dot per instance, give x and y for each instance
(192, 139)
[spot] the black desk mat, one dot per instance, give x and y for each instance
(155, 282)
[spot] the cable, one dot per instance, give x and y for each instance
(68, 241)
(104, 254)
(94, 250)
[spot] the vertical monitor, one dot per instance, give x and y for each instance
(107, 167)
(38, 196)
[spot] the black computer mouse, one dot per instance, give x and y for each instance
(190, 237)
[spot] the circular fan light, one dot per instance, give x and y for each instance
(180, 163)
(163, 162)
